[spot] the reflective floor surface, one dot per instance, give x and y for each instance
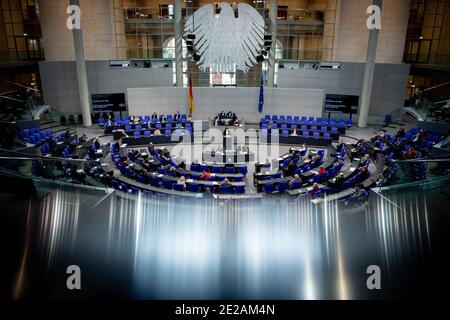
(160, 247)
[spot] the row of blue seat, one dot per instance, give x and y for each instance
(171, 185)
(306, 120)
(229, 169)
(159, 126)
(315, 134)
(167, 132)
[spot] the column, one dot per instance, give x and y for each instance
(273, 12)
(178, 28)
(366, 93)
(80, 62)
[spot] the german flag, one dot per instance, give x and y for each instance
(191, 98)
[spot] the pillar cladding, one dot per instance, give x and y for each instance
(366, 93)
(273, 12)
(178, 43)
(83, 88)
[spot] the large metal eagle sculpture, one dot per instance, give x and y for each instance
(224, 42)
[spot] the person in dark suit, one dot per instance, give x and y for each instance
(339, 180)
(177, 116)
(154, 116)
(291, 168)
(226, 132)
(163, 118)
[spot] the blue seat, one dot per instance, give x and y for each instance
(285, 133)
(147, 133)
(306, 133)
(313, 128)
(303, 127)
(284, 126)
(264, 132)
(334, 129)
(268, 188)
(274, 118)
(242, 170)
(311, 119)
(225, 189)
(267, 117)
(282, 186)
(178, 187)
(136, 133)
(349, 123)
(316, 134)
(138, 127)
(304, 119)
(167, 132)
(297, 119)
(216, 169)
(289, 119)
(264, 126)
(167, 184)
(274, 126)
(296, 185)
(239, 189)
(327, 135)
(293, 126)
(154, 181)
(323, 129)
(158, 126)
(127, 128)
(229, 170)
(281, 119)
(193, 187)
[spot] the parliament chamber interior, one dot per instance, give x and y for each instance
(270, 149)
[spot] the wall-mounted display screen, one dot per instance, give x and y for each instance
(341, 103)
(108, 102)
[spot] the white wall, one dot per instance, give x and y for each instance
(210, 101)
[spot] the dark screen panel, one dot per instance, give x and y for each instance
(108, 102)
(341, 103)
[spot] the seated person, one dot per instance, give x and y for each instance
(225, 182)
(380, 180)
(410, 154)
(226, 132)
(365, 161)
(177, 116)
(154, 116)
(151, 148)
(321, 171)
(339, 180)
(157, 132)
(182, 181)
(163, 118)
(314, 190)
(291, 168)
(296, 178)
(267, 164)
(116, 146)
(364, 172)
(359, 195)
(121, 133)
(423, 135)
(205, 175)
(294, 133)
(84, 138)
(97, 144)
(400, 133)
(109, 122)
(135, 120)
(386, 171)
